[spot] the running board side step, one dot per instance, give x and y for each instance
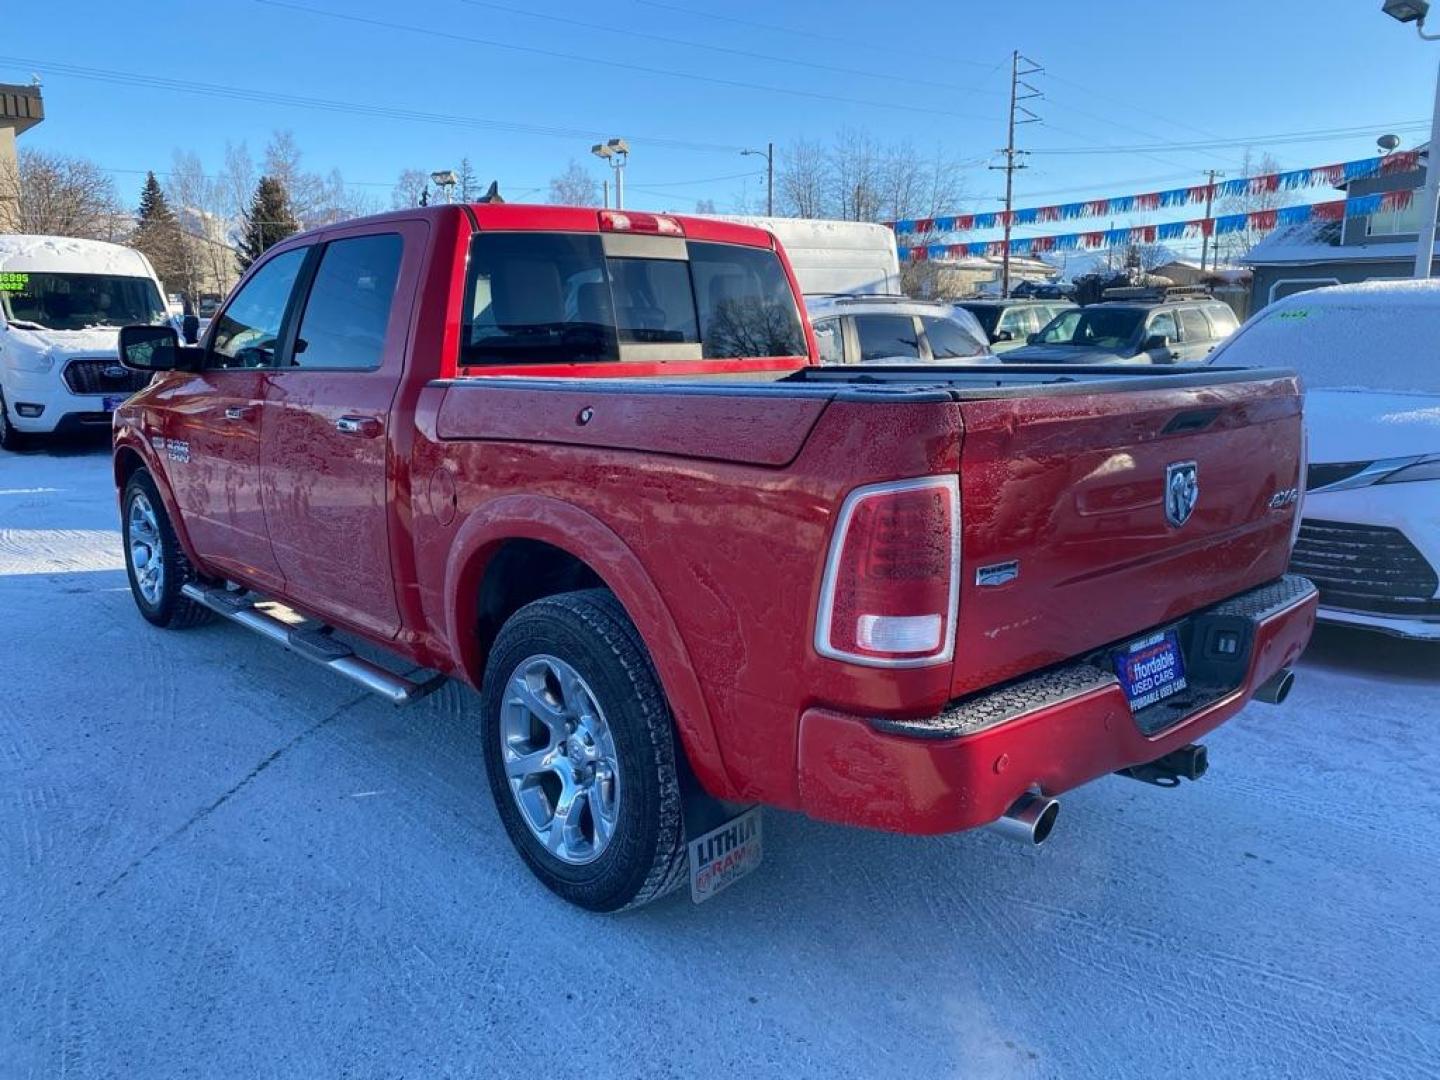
(314, 644)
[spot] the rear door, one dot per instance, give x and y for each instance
(212, 426)
(325, 461)
(1196, 339)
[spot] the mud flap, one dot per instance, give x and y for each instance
(724, 840)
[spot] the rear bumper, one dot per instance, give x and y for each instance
(1053, 731)
(1427, 629)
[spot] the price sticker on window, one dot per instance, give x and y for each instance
(14, 282)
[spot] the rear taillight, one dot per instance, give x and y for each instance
(892, 578)
(628, 221)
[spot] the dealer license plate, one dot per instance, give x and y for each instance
(1151, 669)
(723, 856)
(114, 401)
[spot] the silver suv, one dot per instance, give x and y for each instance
(868, 329)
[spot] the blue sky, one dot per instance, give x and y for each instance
(1117, 74)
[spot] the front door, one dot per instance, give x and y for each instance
(212, 428)
(325, 462)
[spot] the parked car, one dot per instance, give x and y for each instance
(585, 462)
(62, 303)
(1370, 538)
(1009, 323)
(1132, 326)
(895, 330)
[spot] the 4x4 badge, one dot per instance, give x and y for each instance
(1182, 491)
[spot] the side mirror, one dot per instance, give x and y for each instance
(1155, 341)
(152, 348)
(1032, 339)
(1003, 335)
(190, 329)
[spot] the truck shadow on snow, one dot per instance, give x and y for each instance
(1363, 652)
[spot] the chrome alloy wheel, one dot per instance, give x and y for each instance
(560, 760)
(146, 554)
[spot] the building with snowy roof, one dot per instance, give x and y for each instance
(1366, 247)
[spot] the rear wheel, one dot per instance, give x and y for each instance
(154, 562)
(580, 752)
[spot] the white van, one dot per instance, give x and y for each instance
(835, 257)
(62, 302)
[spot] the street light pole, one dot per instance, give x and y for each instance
(1415, 11)
(769, 153)
(616, 152)
(1430, 198)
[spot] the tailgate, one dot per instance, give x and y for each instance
(1072, 490)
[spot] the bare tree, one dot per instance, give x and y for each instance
(574, 187)
(237, 182)
(409, 188)
(315, 198)
(801, 181)
(705, 206)
(1237, 245)
(65, 196)
(201, 204)
(857, 167)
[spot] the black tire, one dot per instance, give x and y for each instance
(10, 439)
(644, 857)
(167, 607)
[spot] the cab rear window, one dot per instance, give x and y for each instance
(547, 298)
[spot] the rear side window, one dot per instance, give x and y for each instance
(1164, 323)
(537, 298)
(348, 309)
(546, 298)
(1222, 319)
(1194, 324)
(887, 337)
(830, 340)
(951, 340)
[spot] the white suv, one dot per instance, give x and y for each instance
(62, 303)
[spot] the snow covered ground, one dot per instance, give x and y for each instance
(217, 860)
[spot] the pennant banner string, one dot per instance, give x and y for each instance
(1292, 180)
(1258, 220)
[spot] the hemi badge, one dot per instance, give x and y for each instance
(997, 574)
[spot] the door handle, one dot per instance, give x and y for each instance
(239, 412)
(366, 427)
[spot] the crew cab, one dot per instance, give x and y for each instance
(587, 462)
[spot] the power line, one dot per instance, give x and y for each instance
(749, 54)
(1281, 138)
(620, 64)
(128, 78)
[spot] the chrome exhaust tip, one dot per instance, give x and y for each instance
(1277, 688)
(1030, 819)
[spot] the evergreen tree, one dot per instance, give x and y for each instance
(268, 221)
(469, 183)
(157, 234)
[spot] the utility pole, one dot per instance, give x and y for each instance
(1205, 236)
(1016, 97)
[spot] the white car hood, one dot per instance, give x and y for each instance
(1370, 425)
(60, 345)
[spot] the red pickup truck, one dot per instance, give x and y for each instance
(585, 461)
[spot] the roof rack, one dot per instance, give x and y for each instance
(1156, 292)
